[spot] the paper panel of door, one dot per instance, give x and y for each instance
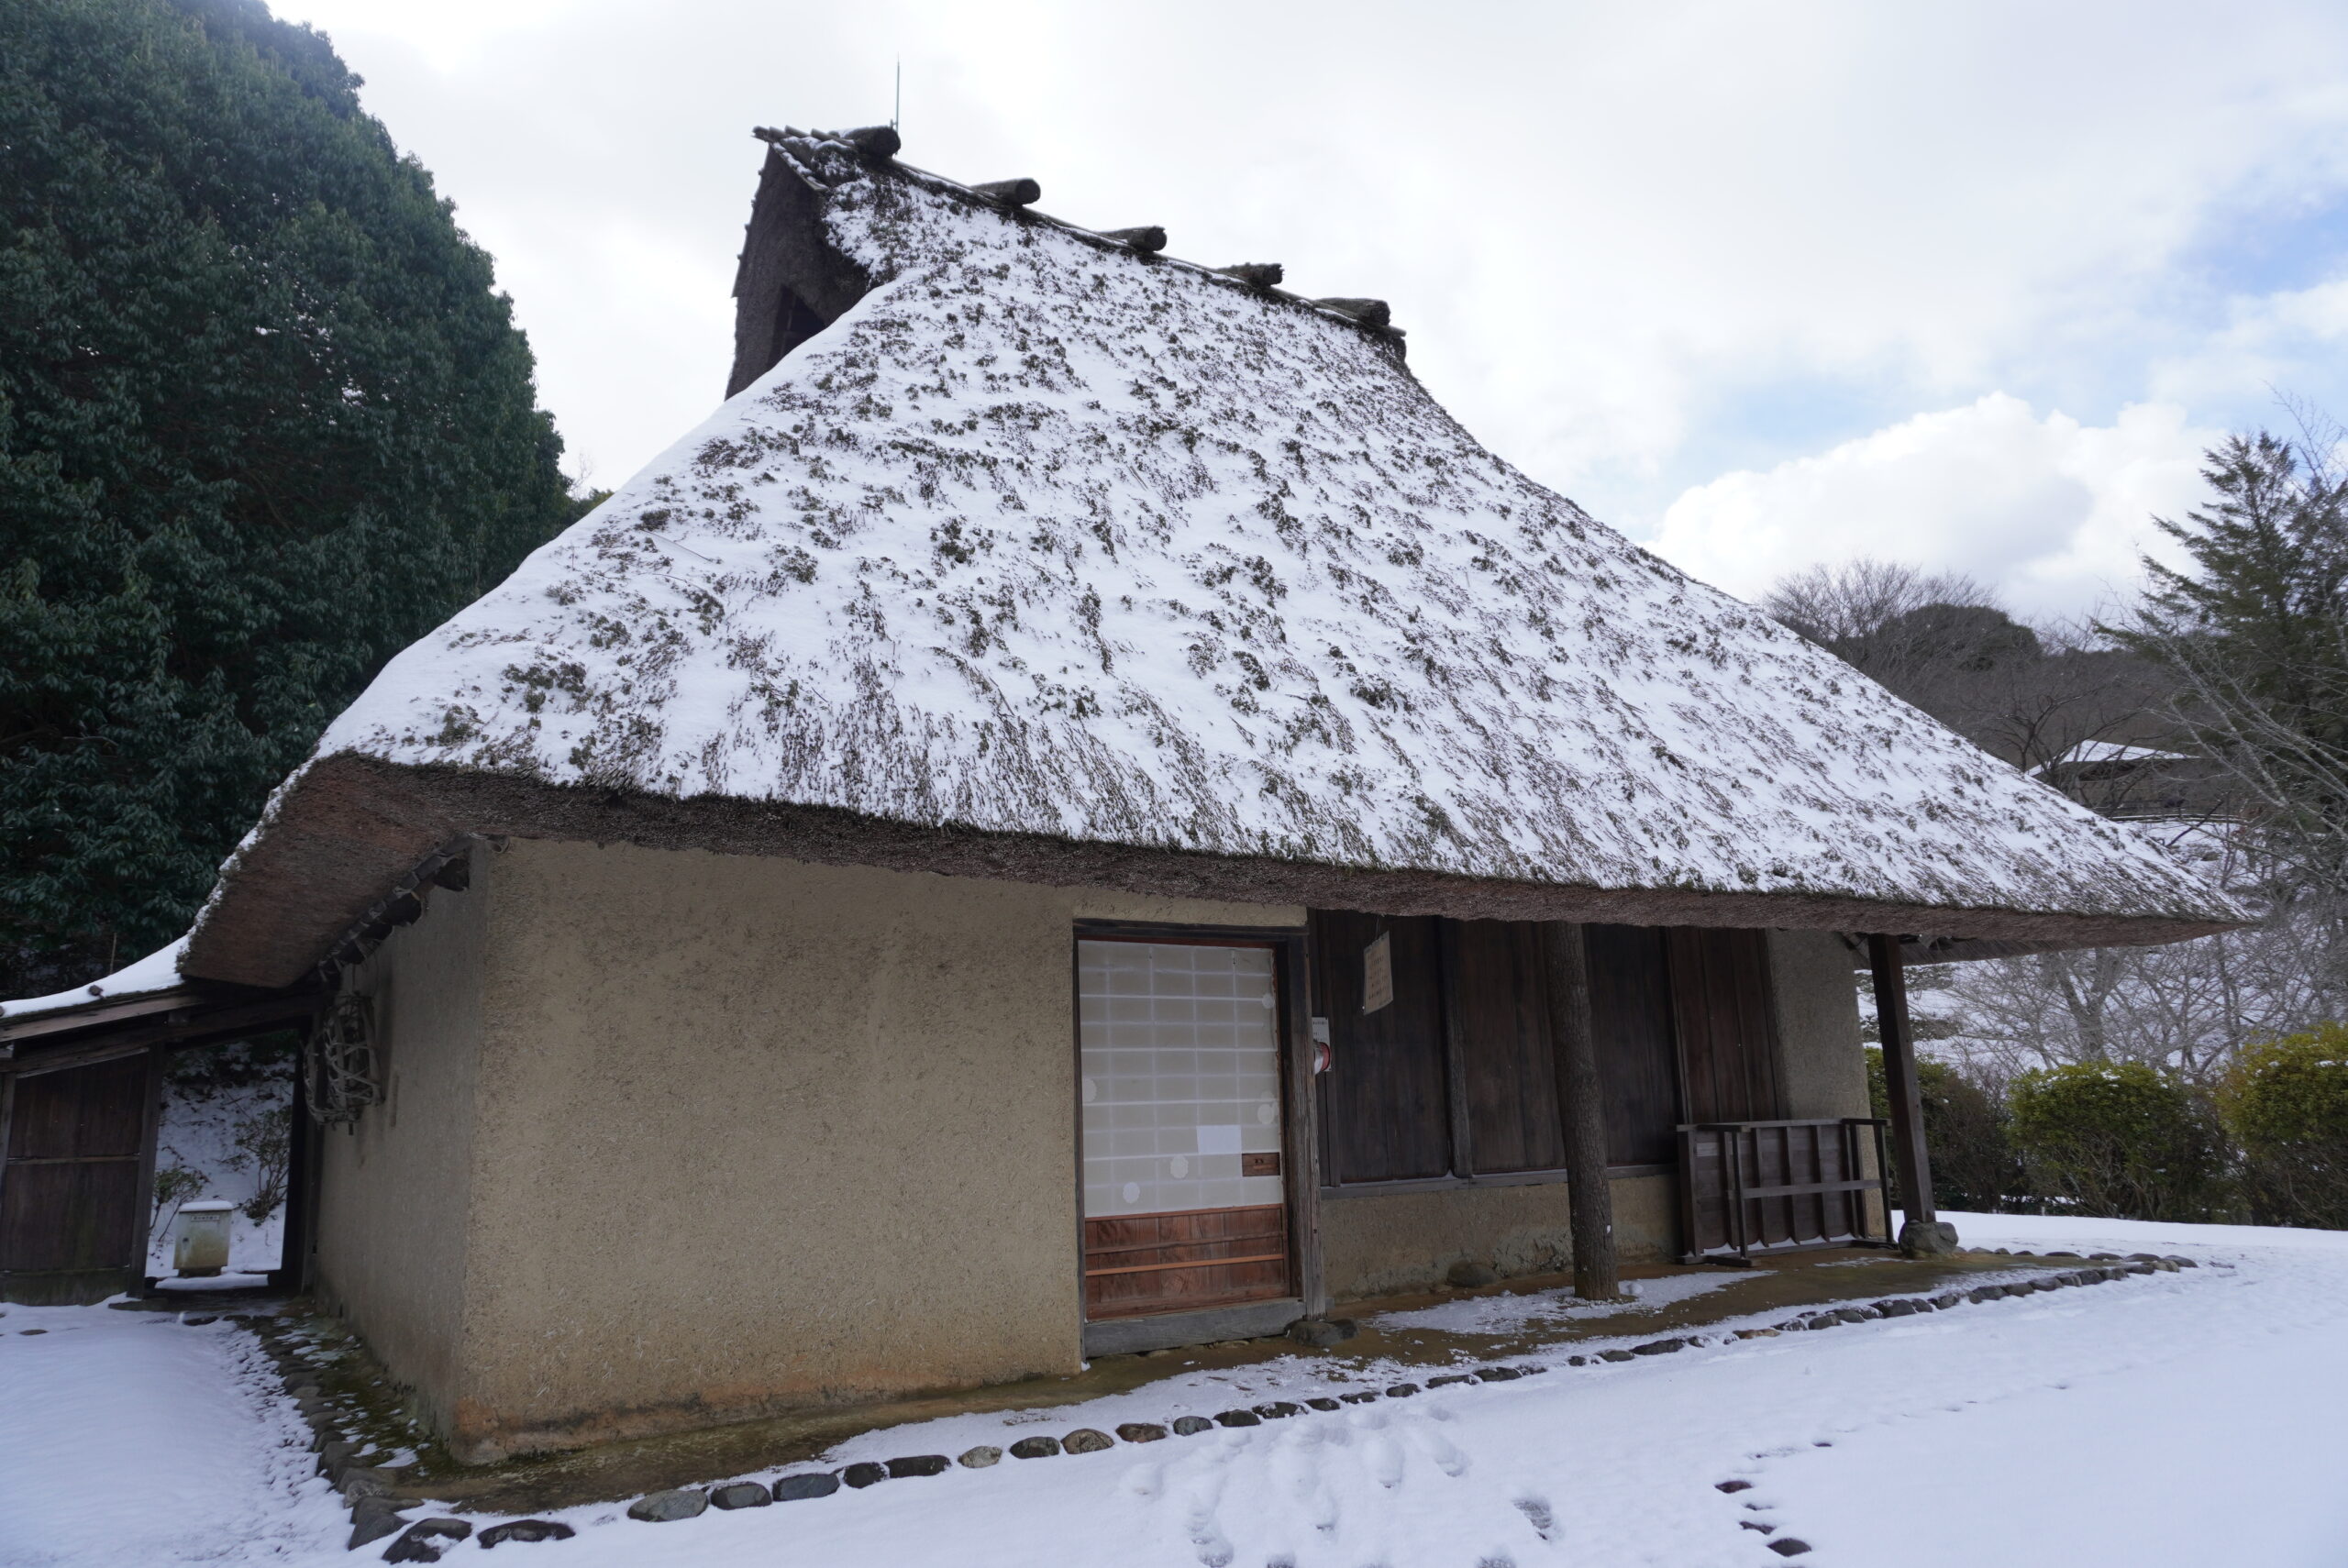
(1185, 1202)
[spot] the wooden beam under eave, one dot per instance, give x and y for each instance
(182, 1028)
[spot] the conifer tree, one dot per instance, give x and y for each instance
(264, 421)
(2255, 625)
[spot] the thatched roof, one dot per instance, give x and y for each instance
(1051, 558)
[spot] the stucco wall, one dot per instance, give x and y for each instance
(1824, 1063)
(1376, 1243)
(394, 1192)
(754, 1134)
(1822, 1068)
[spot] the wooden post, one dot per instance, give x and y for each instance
(1914, 1163)
(1565, 960)
(150, 1131)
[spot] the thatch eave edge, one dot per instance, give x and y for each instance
(349, 827)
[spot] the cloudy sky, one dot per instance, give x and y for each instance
(1762, 284)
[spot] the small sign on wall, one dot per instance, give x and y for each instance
(1377, 974)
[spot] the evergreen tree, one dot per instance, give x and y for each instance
(264, 421)
(2265, 595)
(2257, 629)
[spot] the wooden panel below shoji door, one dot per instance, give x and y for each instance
(1140, 1265)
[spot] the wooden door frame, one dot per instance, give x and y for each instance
(7, 1138)
(150, 1130)
(1300, 1133)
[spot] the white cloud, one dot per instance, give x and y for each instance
(1633, 245)
(2052, 512)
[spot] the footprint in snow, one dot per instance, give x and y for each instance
(1440, 1449)
(1537, 1514)
(1384, 1456)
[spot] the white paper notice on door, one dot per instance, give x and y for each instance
(1377, 974)
(1218, 1140)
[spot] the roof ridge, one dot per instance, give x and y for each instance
(1371, 318)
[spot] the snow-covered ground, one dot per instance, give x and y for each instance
(198, 1135)
(2178, 1418)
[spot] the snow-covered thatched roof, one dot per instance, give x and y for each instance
(1051, 558)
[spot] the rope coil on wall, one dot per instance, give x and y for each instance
(339, 1077)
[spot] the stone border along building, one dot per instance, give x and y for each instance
(1079, 811)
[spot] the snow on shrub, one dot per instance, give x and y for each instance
(2285, 1102)
(2118, 1138)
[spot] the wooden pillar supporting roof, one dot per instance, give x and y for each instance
(1922, 1232)
(1590, 1192)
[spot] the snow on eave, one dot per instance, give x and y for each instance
(1043, 536)
(2088, 752)
(156, 973)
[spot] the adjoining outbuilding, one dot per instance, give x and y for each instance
(1081, 811)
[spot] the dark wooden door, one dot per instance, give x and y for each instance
(1638, 1057)
(1725, 1016)
(1500, 1037)
(1388, 1093)
(73, 1191)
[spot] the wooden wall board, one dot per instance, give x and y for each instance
(73, 1193)
(1630, 1005)
(1388, 1095)
(1727, 1023)
(1499, 1008)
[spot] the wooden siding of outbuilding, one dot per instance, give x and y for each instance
(81, 1094)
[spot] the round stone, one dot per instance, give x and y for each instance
(797, 1488)
(667, 1508)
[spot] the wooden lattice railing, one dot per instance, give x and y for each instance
(1747, 1188)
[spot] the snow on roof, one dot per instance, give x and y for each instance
(1046, 536)
(2088, 752)
(159, 971)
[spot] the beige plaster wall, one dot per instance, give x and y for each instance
(1386, 1244)
(754, 1134)
(1824, 1063)
(1822, 1067)
(394, 1192)
(1647, 1219)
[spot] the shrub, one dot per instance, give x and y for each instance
(2285, 1102)
(2118, 1138)
(1974, 1165)
(174, 1184)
